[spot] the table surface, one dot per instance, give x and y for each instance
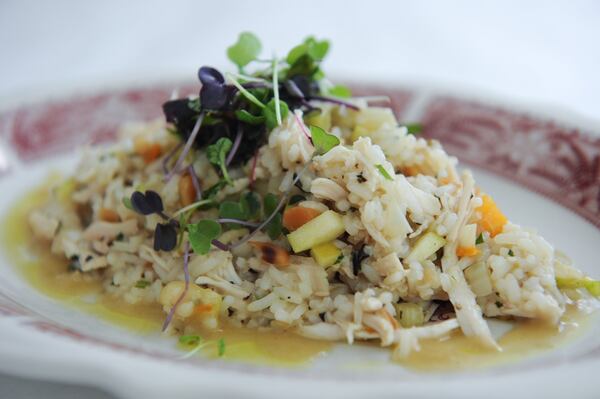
(538, 52)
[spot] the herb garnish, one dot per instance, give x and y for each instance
(216, 154)
(245, 50)
(384, 172)
(202, 234)
(414, 128)
(322, 140)
(479, 239)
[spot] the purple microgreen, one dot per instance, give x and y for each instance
(146, 203)
(335, 101)
(186, 148)
(322, 140)
(186, 273)
(210, 75)
(270, 113)
(216, 154)
(303, 128)
(249, 96)
(276, 92)
(245, 50)
(220, 245)
(236, 145)
(169, 156)
(195, 182)
(384, 172)
(201, 235)
(165, 237)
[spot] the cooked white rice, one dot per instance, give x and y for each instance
(426, 194)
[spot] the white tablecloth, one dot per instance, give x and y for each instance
(538, 52)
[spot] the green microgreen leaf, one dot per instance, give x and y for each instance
(216, 154)
(316, 49)
(248, 118)
(383, 172)
(414, 128)
(245, 50)
(275, 226)
(322, 140)
(511, 253)
(232, 210)
(221, 347)
(479, 239)
(340, 91)
(270, 113)
(142, 284)
(201, 235)
(127, 203)
(250, 203)
(190, 340)
(269, 204)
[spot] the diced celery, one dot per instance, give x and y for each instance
(592, 286)
(325, 254)
(325, 227)
(410, 314)
(478, 277)
(468, 235)
(426, 245)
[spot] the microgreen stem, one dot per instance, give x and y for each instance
(335, 101)
(236, 145)
(195, 182)
(245, 92)
(193, 206)
(169, 156)
(186, 272)
(238, 221)
(276, 91)
(186, 148)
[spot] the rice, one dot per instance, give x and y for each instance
(383, 220)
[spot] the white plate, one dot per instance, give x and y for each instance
(542, 173)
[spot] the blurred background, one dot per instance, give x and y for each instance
(537, 52)
(534, 52)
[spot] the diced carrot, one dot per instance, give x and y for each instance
(492, 219)
(187, 192)
(150, 151)
(466, 251)
(108, 215)
(445, 180)
(203, 308)
(297, 216)
(272, 253)
(410, 170)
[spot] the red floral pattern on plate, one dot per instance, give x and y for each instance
(559, 162)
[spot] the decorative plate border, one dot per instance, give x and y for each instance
(559, 162)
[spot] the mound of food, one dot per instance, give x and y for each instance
(276, 200)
